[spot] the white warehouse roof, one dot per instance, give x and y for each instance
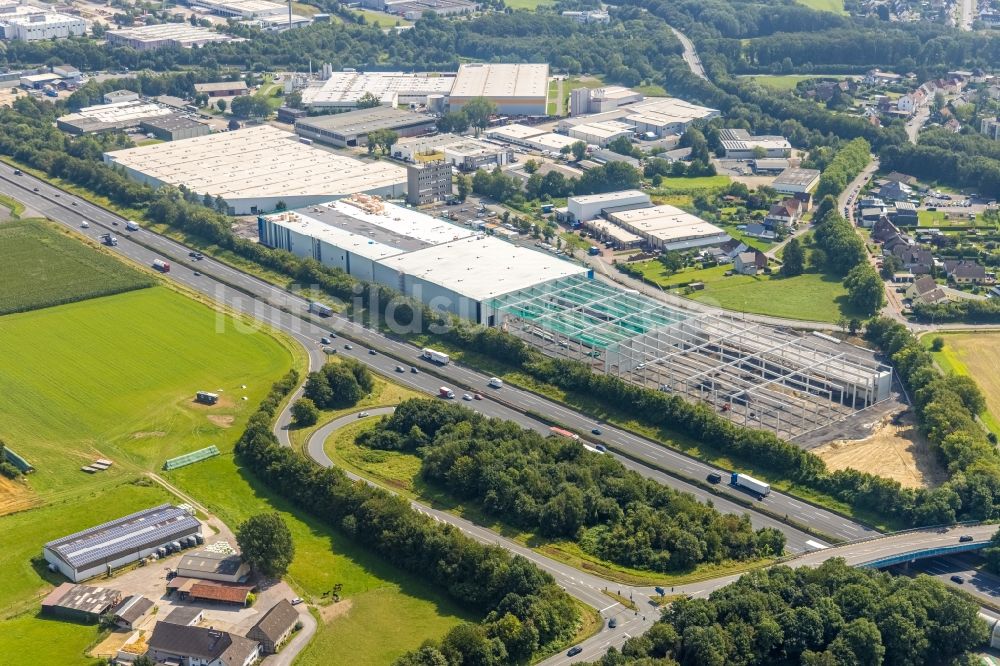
(346, 88)
(256, 162)
(494, 80)
(482, 267)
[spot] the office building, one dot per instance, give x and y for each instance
(428, 182)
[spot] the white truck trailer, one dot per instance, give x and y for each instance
(751, 484)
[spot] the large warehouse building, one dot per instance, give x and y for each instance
(101, 549)
(660, 116)
(343, 89)
(164, 35)
(669, 228)
(255, 168)
(517, 90)
(111, 117)
(452, 268)
(352, 128)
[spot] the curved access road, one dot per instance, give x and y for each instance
(287, 312)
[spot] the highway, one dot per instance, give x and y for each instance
(690, 55)
(275, 307)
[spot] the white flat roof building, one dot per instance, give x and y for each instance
(660, 115)
(48, 25)
(590, 206)
(256, 167)
(601, 133)
(530, 137)
(343, 89)
(164, 35)
(242, 8)
(515, 89)
(792, 181)
(114, 116)
(669, 228)
(607, 231)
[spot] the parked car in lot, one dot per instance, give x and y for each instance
(296, 601)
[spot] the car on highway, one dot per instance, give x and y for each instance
(573, 651)
(85, 225)
(17, 172)
(413, 370)
(600, 448)
(348, 346)
(325, 341)
(399, 368)
(477, 396)
(74, 203)
(612, 623)
(332, 334)
(466, 396)
(362, 415)
(197, 273)
(35, 189)
(329, 350)
(372, 352)
(958, 579)
(595, 431)
(965, 538)
(714, 477)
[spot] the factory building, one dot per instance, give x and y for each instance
(794, 181)
(591, 206)
(531, 137)
(517, 90)
(223, 88)
(174, 127)
(740, 145)
(448, 267)
(255, 168)
(111, 117)
(652, 117)
(106, 547)
(600, 100)
(463, 153)
(119, 96)
(428, 182)
(601, 133)
(669, 228)
(352, 128)
(29, 27)
(415, 9)
(164, 35)
(342, 90)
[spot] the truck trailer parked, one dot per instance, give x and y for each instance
(749, 483)
(435, 356)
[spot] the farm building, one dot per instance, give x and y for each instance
(255, 168)
(412, 252)
(226, 567)
(352, 127)
(181, 644)
(80, 603)
(275, 627)
(517, 90)
(185, 615)
(131, 610)
(101, 549)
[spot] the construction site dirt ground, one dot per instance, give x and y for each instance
(895, 450)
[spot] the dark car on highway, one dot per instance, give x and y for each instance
(714, 477)
(958, 579)
(965, 538)
(573, 651)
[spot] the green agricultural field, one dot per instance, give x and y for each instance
(528, 4)
(788, 81)
(835, 6)
(691, 186)
(42, 266)
(974, 355)
(809, 297)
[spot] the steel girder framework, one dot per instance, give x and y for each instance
(757, 375)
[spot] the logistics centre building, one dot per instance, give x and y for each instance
(255, 168)
(451, 268)
(520, 90)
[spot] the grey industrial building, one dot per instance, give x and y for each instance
(428, 182)
(106, 547)
(174, 127)
(351, 128)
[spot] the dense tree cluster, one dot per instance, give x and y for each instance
(555, 487)
(833, 615)
(849, 161)
(524, 608)
(502, 187)
(962, 160)
(266, 544)
(839, 244)
(339, 384)
(986, 311)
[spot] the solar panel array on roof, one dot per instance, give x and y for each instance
(131, 533)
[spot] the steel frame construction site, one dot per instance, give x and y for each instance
(759, 376)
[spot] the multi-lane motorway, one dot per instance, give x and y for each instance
(287, 312)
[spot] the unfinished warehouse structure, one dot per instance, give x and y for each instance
(756, 375)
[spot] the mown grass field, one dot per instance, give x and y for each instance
(835, 6)
(384, 20)
(693, 186)
(975, 355)
(43, 266)
(528, 4)
(808, 297)
(787, 82)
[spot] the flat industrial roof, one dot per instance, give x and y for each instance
(482, 267)
(553, 141)
(665, 222)
(258, 161)
(515, 131)
(178, 32)
(172, 122)
(802, 177)
(40, 18)
(497, 80)
(606, 197)
(124, 535)
(604, 129)
(118, 112)
(369, 227)
(220, 85)
(349, 87)
(613, 230)
(363, 121)
(206, 561)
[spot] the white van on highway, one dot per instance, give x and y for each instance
(496, 382)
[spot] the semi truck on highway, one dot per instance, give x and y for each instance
(108, 239)
(162, 266)
(446, 392)
(320, 309)
(751, 484)
(435, 356)
(559, 432)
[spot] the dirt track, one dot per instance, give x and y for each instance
(15, 496)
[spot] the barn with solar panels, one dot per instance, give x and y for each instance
(100, 550)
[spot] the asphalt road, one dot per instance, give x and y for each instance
(980, 584)
(690, 55)
(274, 306)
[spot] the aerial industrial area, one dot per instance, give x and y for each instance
(447, 333)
